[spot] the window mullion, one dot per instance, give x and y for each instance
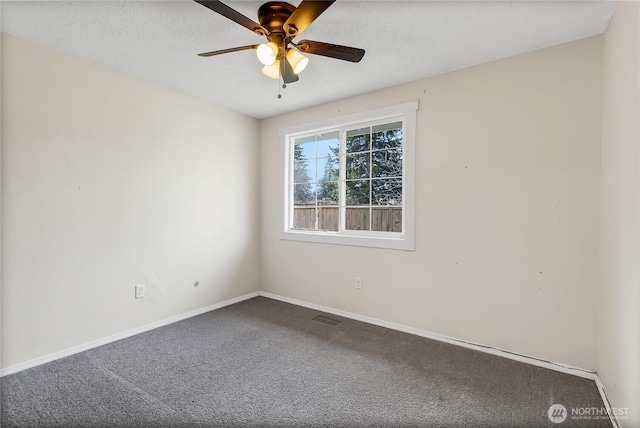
(315, 186)
(291, 182)
(342, 181)
(370, 178)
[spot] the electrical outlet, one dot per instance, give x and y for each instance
(358, 282)
(139, 291)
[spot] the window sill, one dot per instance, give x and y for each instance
(397, 242)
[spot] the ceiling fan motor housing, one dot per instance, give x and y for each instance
(274, 14)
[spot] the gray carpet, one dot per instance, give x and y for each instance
(263, 363)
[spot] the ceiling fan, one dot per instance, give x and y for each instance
(280, 23)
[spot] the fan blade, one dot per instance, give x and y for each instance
(286, 71)
(304, 15)
(345, 53)
(234, 15)
(224, 51)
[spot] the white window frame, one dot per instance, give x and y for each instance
(391, 240)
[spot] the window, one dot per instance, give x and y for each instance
(350, 181)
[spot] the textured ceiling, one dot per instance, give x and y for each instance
(404, 40)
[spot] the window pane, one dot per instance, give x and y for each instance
(328, 218)
(357, 218)
(394, 126)
(358, 140)
(328, 193)
(386, 219)
(387, 136)
(304, 217)
(357, 166)
(357, 192)
(304, 171)
(304, 149)
(328, 144)
(387, 191)
(304, 194)
(386, 163)
(328, 169)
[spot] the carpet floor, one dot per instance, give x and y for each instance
(264, 363)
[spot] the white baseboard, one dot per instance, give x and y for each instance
(607, 403)
(564, 368)
(94, 344)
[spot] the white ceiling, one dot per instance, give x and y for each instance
(404, 41)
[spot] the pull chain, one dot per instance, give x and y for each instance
(284, 86)
(279, 96)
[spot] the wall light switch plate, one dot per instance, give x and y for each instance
(139, 291)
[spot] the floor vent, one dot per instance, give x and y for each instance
(327, 321)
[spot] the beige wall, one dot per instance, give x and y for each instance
(507, 213)
(109, 181)
(619, 298)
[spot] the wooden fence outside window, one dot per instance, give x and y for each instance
(386, 219)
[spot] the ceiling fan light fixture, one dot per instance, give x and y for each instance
(267, 53)
(280, 23)
(297, 60)
(272, 70)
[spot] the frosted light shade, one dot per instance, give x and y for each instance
(267, 53)
(272, 70)
(297, 60)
